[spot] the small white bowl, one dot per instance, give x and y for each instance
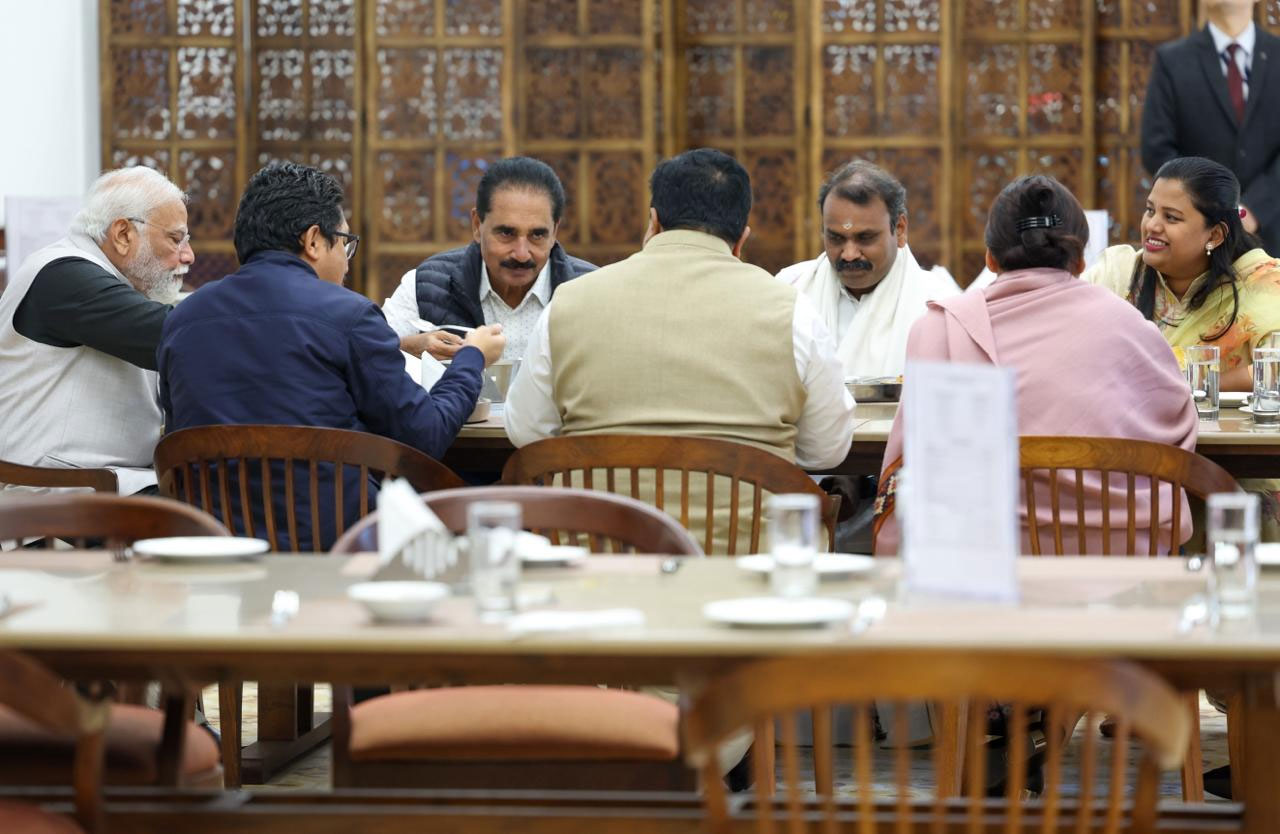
(402, 602)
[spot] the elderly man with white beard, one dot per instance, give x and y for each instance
(79, 324)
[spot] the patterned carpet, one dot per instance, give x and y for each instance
(312, 771)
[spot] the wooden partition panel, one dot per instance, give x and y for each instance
(742, 72)
(407, 102)
(878, 84)
(589, 104)
(306, 99)
(172, 97)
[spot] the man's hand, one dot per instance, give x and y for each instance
(441, 344)
(490, 340)
(1249, 221)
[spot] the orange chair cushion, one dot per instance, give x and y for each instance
(515, 722)
(31, 755)
(30, 819)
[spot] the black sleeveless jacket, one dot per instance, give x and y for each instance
(449, 283)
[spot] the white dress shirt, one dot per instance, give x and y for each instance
(824, 431)
(1244, 56)
(401, 309)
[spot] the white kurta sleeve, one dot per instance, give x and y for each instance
(402, 307)
(825, 430)
(531, 413)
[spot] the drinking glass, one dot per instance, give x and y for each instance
(492, 529)
(1231, 536)
(793, 538)
(1266, 387)
(1202, 376)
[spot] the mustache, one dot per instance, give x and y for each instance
(512, 263)
(859, 265)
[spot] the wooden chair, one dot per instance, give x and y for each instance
(190, 463)
(645, 466)
(758, 694)
(1060, 466)
(111, 521)
(54, 713)
(607, 523)
(529, 737)
(17, 474)
(276, 474)
(144, 746)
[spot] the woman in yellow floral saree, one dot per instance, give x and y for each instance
(1199, 276)
(1203, 280)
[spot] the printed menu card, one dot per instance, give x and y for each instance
(958, 491)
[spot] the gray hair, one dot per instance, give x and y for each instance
(859, 181)
(123, 193)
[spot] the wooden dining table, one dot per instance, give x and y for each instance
(89, 617)
(1232, 441)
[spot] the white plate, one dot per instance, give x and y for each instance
(778, 612)
(554, 555)
(828, 565)
(201, 548)
(1233, 399)
(398, 601)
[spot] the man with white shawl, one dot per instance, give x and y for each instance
(867, 285)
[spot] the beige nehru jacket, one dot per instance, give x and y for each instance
(681, 338)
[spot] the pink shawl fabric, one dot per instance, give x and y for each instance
(1088, 364)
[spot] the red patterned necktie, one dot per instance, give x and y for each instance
(1235, 81)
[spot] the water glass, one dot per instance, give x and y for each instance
(492, 530)
(1202, 376)
(1266, 387)
(1231, 536)
(793, 542)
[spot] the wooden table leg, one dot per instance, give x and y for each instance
(1261, 755)
(287, 729)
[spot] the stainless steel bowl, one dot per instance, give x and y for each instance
(884, 389)
(481, 411)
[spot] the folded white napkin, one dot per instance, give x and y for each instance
(552, 620)
(426, 371)
(410, 534)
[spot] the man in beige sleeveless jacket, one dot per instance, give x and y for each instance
(683, 338)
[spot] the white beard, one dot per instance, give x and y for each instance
(153, 279)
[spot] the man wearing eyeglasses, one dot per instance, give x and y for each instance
(281, 341)
(79, 324)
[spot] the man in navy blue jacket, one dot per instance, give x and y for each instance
(281, 341)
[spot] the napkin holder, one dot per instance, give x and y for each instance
(413, 543)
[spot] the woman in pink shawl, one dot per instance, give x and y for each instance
(1087, 363)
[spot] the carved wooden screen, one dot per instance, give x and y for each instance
(439, 83)
(742, 70)
(172, 72)
(1026, 80)
(1128, 34)
(878, 88)
(306, 98)
(590, 106)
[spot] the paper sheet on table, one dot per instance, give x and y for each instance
(552, 620)
(425, 371)
(32, 223)
(958, 495)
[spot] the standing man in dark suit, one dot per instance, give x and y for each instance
(1216, 94)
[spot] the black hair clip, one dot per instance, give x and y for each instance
(1039, 222)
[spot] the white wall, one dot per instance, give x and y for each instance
(49, 142)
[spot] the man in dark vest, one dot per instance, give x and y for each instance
(507, 276)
